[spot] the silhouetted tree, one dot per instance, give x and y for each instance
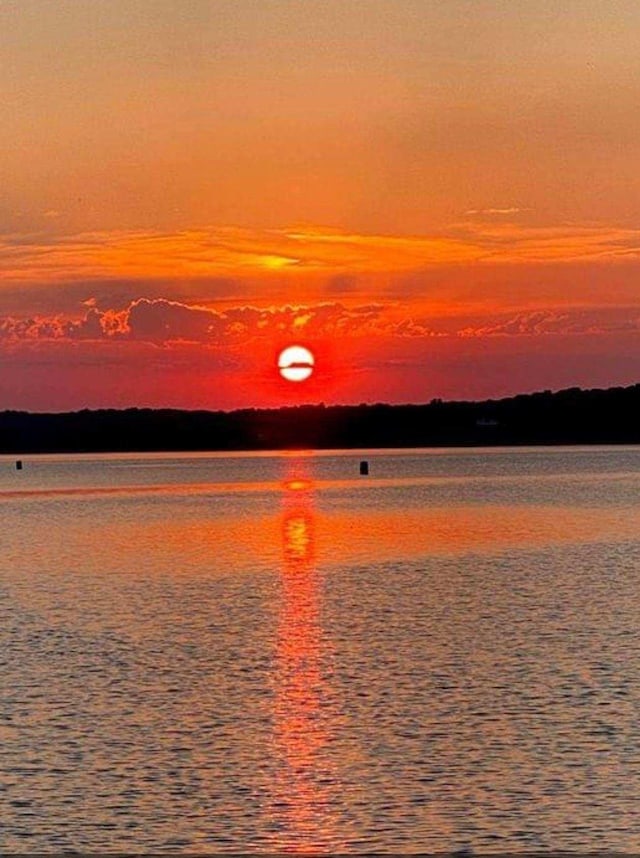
(571, 416)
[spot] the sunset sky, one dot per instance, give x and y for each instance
(439, 199)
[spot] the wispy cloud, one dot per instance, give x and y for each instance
(244, 253)
(507, 210)
(208, 253)
(511, 243)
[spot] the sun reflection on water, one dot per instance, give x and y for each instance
(306, 780)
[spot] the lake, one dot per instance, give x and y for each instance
(269, 652)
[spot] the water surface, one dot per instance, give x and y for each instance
(209, 653)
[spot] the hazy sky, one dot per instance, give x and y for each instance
(438, 198)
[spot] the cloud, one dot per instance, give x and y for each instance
(550, 322)
(218, 252)
(162, 321)
(511, 243)
(335, 255)
(165, 321)
(528, 324)
(509, 210)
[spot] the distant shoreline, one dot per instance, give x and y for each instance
(570, 417)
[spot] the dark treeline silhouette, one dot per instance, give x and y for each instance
(572, 416)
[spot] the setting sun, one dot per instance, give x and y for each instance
(296, 363)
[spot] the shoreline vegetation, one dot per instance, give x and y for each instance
(571, 416)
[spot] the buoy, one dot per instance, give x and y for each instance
(364, 468)
(19, 465)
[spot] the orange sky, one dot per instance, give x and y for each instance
(440, 199)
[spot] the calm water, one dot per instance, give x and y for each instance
(268, 652)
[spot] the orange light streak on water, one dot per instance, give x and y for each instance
(302, 711)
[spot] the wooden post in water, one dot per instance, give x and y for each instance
(364, 468)
(18, 464)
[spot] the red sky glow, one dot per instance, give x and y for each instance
(437, 199)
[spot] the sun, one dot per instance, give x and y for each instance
(296, 363)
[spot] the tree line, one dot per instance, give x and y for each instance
(572, 416)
